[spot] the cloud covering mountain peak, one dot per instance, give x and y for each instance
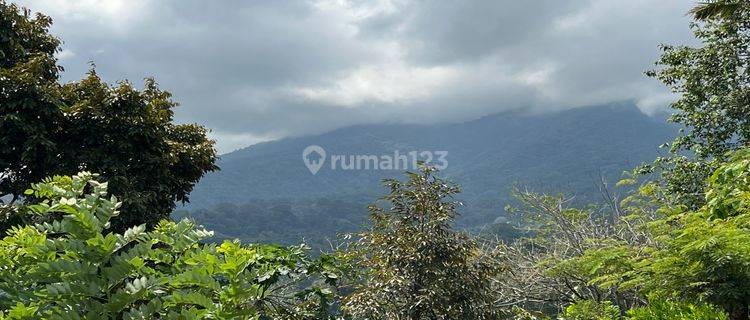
(259, 70)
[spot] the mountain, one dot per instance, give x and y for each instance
(266, 193)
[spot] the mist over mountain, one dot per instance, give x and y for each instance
(265, 192)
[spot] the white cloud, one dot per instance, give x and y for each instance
(400, 84)
(228, 141)
(119, 15)
(65, 54)
(652, 104)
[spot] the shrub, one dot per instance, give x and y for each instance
(662, 309)
(72, 268)
(591, 310)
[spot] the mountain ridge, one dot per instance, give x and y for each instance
(563, 151)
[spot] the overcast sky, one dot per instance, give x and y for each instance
(259, 70)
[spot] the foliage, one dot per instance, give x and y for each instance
(703, 259)
(699, 256)
(713, 82)
(650, 247)
(414, 266)
(663, 309)
(591, 310)
(129, 136)
(729, 187)
(125, 134)
(724, 9)
(71, 268)
(700, 252)
(571, 255)
(29, 115)
(285, 221)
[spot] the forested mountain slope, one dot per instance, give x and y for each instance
(265, 192)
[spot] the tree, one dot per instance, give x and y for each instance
(72, 267)
(723, 9)
(29, 114)
(704, 255)
(680, 247)
(694, 261)
(126, 135)
(659, 259)
(568, 256)
(413, 265)
(714, 87)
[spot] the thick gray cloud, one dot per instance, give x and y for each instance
(253, 71)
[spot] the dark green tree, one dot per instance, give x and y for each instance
(126, 135)
(30, 118)
(414, 266)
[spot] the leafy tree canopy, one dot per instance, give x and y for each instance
(704, 255)
(414, 266)
(688, 259)
(122, 133)
(724, 9)
(713, 84)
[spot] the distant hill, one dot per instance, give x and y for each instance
(565, 151)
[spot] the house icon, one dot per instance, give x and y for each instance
(314, 157)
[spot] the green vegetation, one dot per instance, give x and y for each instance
(689, 260)
(285, 221)
(660, 309)
(591, 310)
(704, 255)
(72, 267)
(712, 83)
(410, 264)
(724, 9)
(125, 135)
(676, 247)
